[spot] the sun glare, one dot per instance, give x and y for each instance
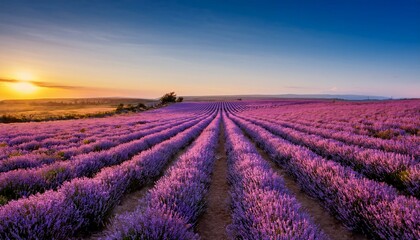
(23, 76)
(24, 87)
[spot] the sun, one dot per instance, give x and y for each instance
(24, 87)
(23, 76)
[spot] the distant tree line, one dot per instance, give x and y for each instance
(16, 118)
(166, 99)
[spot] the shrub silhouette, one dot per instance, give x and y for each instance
(168, 98)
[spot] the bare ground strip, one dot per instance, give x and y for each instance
(212, 224)
(132, 200)
(331, 226)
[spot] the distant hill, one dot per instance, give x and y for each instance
(285, 96)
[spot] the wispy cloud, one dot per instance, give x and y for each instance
(43, 84)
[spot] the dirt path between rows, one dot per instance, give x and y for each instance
(212, 224)
(330, 225)
(132, 200)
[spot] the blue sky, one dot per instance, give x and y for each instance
(144, 48)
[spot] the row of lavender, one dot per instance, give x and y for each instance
(20, 133)
(173, 205)
(392, 122)
(84, 203)
(399, 170)
(24, 182)
(52, 172)
(367, 118)
(66, 136)
(399, 146)
(66, 151)
(362, 204)
(262, 206)
(17, 140)
(38, 140)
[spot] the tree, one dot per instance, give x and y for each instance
(120, 108)
(180, 99)
(168, 98)
(141, 106)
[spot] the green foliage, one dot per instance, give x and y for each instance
(385, 134)
(120, 107)
(7, 118)
(179, 99)
(52, 174)
(141, 105)
(97, 148)
(168, 98)
(3, 200)
(130, 108)
(15, 154)
(61, 155)
(403, 175)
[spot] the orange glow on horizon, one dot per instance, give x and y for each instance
(21, 85)
(24, 87)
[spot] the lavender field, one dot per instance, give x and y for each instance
(263, 169)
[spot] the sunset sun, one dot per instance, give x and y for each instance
(24, 87)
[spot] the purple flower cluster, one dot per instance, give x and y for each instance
(262, 206)
(173, 205)
(64, 150)
(360, 203)
(390, 167)
(18, 183)
(61, 179)
(42, 148)
(390, 145)
(84, 203)
(358, 123)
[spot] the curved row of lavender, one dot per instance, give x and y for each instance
(173, 205)
(84, 203)
(92, 163)
(51, 127)
(404, 145)
(361, 204)
(394, 168)
(368, 119)
(49, 139)
(24, 182)
(262, 206)
(365, 118)
(400, 135)
(38, 140)
(90, 143)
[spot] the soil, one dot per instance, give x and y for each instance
(331, 226)
(212, 224)
(132, 200)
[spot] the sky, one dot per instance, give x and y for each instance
(92, 48)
